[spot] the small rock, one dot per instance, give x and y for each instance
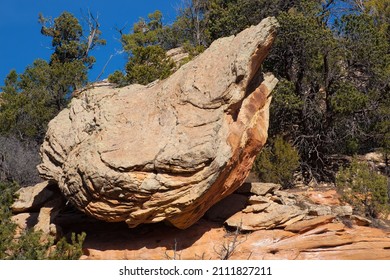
(284, 198)
(360, 221)
(256, 208)
(255, 199)
(320, 210)
(374, 157)
(32, 198)
(24, 221)
(306, 225)
(329, 197)
(274, 216)
(345, 210)
(264, 188)
(46, 217)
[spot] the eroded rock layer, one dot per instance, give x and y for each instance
(169, 150)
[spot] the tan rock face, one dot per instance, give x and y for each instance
(33, 197)
(171, 150)
(206, 240)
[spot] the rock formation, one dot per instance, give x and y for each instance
(259, 227)
(267, 235)
(36, 207)
(170, 150)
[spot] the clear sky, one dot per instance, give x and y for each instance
(21, 41)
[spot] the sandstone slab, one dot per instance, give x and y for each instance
(274, 216)
(170, 150)
(206, 240)
(259, 188)
(24, 221)
(306, 225)
(329, 197)
(46, 218)
(32, 198)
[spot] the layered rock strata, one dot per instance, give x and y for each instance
(170, 150)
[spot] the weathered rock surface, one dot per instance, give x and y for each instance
(258, 188)
(330, 237)
(260, 216)
(329, 197)
(32, 198)
(178, 55)
(268, 207)
(37, 207)
(311, 237)
(24, 221)
(47, 214)
(170, 150)
(306, 225)
(207, 240)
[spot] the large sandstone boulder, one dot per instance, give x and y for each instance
(169, 150)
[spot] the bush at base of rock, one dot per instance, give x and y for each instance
(364, 188)
(6, 226)
(277, 163)
(29, 245)
(68, 251)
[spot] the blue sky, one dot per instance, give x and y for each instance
(22, 42)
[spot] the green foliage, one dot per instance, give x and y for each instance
(31, 99)
(7, 227)
(364, 188)
(192, 50)
(147, 59)
(145, 32)
(383, 138)
(30, 245)
(148, 64)
(7, 190)
(26, 109)
(347, 99)
(286, 108)
(67, 38)
(118, 78)
(301, 50)
(68, 251)
(338, 74)
(36, 96)
(366, 49)
(276, 164)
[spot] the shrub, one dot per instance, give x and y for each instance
(277, 163)
(69, 251)
(7, 228)
(29, 245)
(18, 160)
(364, 188)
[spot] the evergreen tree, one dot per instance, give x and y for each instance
(33, 98)
(147, 59)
